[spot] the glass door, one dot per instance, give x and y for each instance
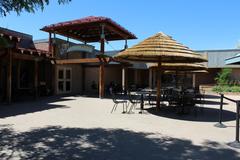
(64, 81)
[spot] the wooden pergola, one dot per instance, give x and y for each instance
(19, 46)
(88, 30)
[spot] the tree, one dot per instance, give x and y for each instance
(18, 6)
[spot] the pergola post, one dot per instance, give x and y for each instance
(9, 76)
(50, 44)
(124, 79)
(101, 68)
(36, 72)
(194, 80)
(158, 85)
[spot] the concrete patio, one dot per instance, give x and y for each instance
(76, 127)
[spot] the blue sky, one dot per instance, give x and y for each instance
(202, 24)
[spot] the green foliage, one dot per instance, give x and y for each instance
(226, 88)
(222, 77)
(18, 6)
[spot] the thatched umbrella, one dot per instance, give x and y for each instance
(178, 66)
(160, 48)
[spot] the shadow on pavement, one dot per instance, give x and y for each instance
(56, 143)
(206, 115)
(31, 107)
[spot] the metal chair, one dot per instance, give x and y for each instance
(134, 100)
(118, 101)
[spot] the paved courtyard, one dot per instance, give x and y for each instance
(76, 127)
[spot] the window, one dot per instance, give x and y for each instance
(64, 80)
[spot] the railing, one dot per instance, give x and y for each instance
(236, 143)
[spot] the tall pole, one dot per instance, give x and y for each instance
(9, 76)
(158, 85)
(50, 44)
(101, 68)
(124, 79)
(237, 121)
(194, 80)
(36, 70)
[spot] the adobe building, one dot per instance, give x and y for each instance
(24, 70)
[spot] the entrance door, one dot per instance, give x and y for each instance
(64, 81)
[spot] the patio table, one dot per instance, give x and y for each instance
(143, 94)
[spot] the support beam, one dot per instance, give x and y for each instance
(36, 73)
(101, 68)
(9, 76)
(124, 79)
(83, 79)
(50, 44)
(54, 79)
(158, 85)
(194, 80)
(79, 61)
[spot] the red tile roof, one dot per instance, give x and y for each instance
(89, 29)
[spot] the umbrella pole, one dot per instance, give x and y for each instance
(158, 85)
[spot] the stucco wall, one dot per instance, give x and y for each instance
(111, 74)
(206, 78)
(235, 74)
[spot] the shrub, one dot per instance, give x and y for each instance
(226, 88)
(223, 76)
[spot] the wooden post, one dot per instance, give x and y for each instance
(124, 79)
(54, 78)
(36, 72)
(50, 44)
(194, 80)
(83, 79)
(9, 77)
(158, 85)
(101, 68)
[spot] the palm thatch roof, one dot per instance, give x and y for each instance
(163, 48)
(179, 66)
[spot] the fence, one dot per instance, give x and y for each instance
(236, 143)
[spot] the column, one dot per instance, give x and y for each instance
(9, 76)
(36, 73)
(124, 79)
(194, 80)
(101, 68)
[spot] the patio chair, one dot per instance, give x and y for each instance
(134, 100)
(152, 100)
(188, 101)
(118, 101)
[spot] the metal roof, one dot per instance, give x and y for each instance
(233, 60)
(216, 58)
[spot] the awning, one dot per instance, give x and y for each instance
(233, 60)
